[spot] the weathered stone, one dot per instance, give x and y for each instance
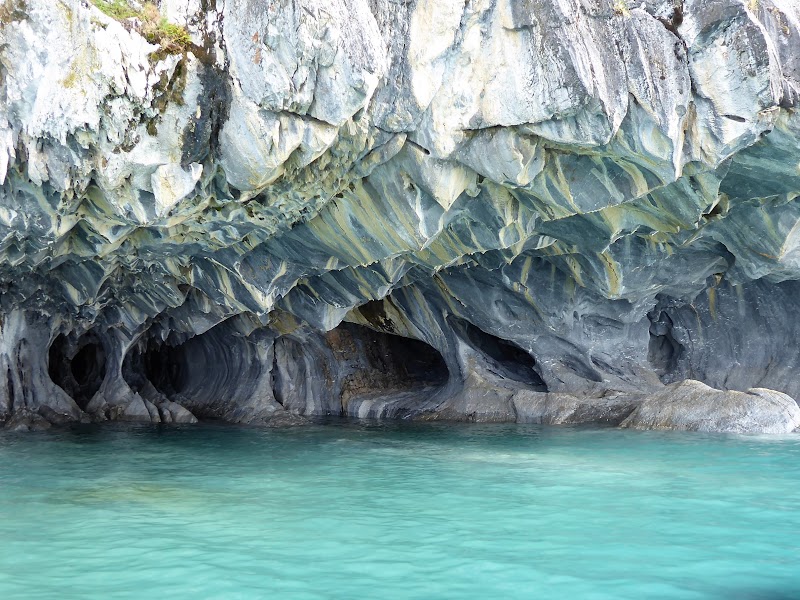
(27, 421)
(496, 211)
(693, 406)
(566, 409)
(281, 418)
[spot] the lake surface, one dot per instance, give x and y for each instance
(348, 510)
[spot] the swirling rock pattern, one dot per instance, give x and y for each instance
(533, 210)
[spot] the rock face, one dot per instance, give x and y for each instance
(527, 210)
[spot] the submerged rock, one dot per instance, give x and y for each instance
(533, 211)
(693, 406)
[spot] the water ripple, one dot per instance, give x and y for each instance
(398, 511)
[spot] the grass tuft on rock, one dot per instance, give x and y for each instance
(116, 9)
(172, 38)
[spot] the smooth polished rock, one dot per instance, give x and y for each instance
(693, 406)
(566, 409)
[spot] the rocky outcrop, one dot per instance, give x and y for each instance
(693, 406)
(528, 210)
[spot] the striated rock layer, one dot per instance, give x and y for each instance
(533, 210)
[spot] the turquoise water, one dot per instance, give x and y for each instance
(398, 511)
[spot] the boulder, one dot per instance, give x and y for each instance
(693, 406)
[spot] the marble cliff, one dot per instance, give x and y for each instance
(547, 211)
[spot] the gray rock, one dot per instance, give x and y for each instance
(693, 406)
(282, 418)
(566, 409)
(495, 211)
(24, 420)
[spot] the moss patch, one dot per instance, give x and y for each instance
(170, 90)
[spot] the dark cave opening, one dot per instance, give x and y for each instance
(663, 350)
(507, 359)
(216, 373)
(163, 365)
(378, 360)
(77, 367)
(413, 359)
(85, 362)
(209, 374)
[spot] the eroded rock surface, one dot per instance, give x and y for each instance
(693, 406)
(516, 210)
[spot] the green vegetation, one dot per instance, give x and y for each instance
(116, 9)
(172, 38)
(173, 34)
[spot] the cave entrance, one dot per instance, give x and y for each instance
(77, 366)
(377, 362)
(84, 364)
(214, 374)
(506, 359)
(162, 365)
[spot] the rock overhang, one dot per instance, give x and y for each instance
(612, 190)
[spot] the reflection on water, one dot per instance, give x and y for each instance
(398, 510)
